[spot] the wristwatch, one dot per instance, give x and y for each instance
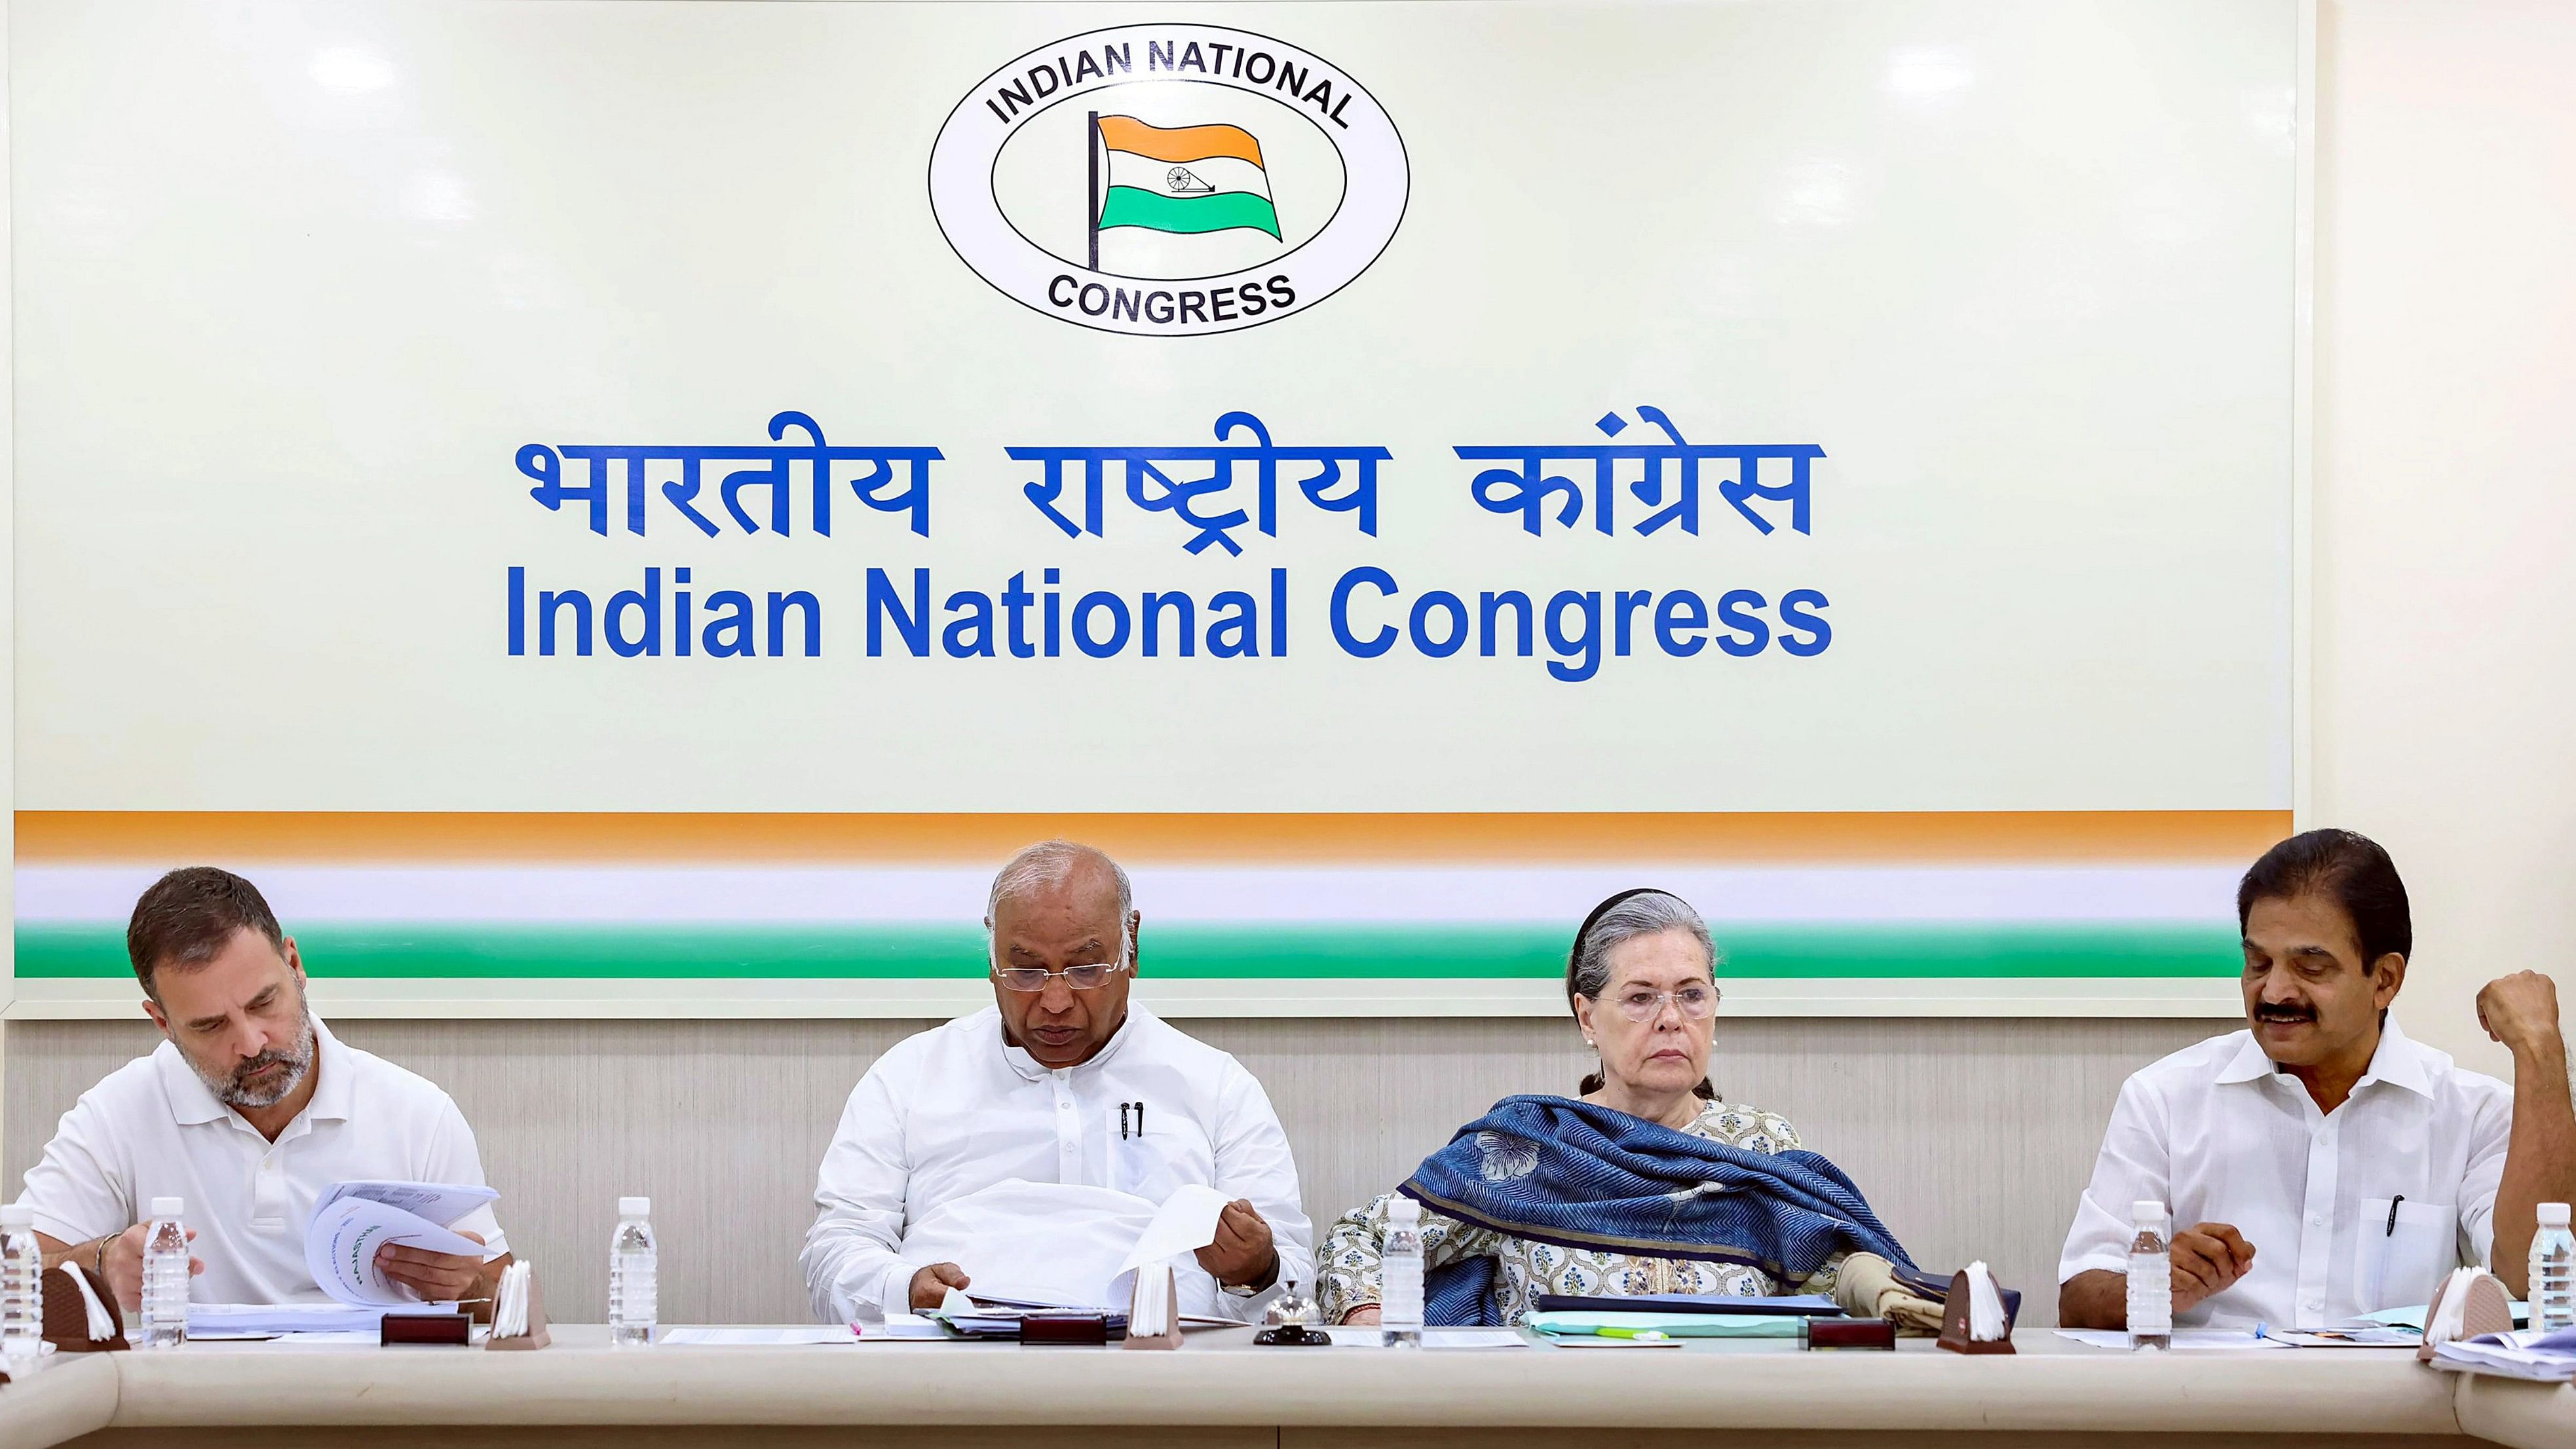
(1255, 1290)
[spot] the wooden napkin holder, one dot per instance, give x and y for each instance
(1954, 1320)
(67, 1317)
(536, 1336)
(1170, 1337)
(2489, 1309)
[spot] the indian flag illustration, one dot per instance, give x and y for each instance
(1177, 179)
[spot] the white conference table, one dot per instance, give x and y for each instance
(1222, 1392)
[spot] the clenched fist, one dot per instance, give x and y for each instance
(2207, 1260)
(2521, 1011)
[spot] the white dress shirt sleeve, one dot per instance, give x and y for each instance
(1253, 1163)
(853, 1271)
(77, 1189)
(2489, 1133)
(453, 1158)
(2134, 1166)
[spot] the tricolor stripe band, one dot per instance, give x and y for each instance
(1290, 897)
(158, 837)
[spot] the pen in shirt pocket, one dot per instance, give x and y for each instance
(2392, 1215)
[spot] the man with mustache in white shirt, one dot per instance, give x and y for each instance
(2327, 1166)
(248, 1111)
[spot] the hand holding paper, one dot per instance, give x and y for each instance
(1241, 1251)
(436, 1277)
(367, 1244)
(1188, 1221)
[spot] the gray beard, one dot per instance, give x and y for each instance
(299, 1063)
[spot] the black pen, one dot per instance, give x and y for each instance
(2392, 1215)
(1140, 1119)
(1122, 1121)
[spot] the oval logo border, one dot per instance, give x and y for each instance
(1377, 170)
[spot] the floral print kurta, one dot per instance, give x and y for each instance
(1351, 1274)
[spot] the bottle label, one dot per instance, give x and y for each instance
(2150, 1293)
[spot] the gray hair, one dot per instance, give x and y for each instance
(1650, 913)
(1048, 864)
(1647, 913)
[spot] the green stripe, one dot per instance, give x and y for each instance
(1129, 206)
(1271, 952)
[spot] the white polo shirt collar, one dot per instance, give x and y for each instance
(192, 1104)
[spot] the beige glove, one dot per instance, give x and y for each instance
(1866, 1287)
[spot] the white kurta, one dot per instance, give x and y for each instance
(2348, 1213)
(959, 1148)
(151, 1129)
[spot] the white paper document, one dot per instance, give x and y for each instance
(816, 1336)
(1064, 1245)
(1477, 1338)
(354, 1220)
(269, 1320)
(2185, 1340)
(2373, 1337)
(1185, 1223)
(900, 1327)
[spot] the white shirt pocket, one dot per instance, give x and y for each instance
(2404, 1255)
(1156, 1163)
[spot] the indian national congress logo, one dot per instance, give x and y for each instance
(1168, 179)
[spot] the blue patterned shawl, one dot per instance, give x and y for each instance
(1555, 1170)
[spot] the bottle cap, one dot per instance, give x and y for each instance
(17, 1215)
(2553, 1215)
(168, 1207)
(1403, 1209)
(2146, 1210)
(634, 1207)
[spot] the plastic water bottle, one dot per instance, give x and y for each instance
(22, 1284)
(1399, 1308)
(2553, 1270)
(630, 1275)
(2150, 1277)
(165, 1276)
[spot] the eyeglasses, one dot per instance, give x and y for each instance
(1089, 976)
(1695, 1003)
(1033, 979)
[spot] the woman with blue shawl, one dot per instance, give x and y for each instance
(1648, 1184)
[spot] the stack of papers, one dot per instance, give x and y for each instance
(2548, 1357)
(271, 1320)
(1806, 1305)
(1670, 1325)
(350, 1223)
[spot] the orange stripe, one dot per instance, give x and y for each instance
(1178, 143)
(174, 837)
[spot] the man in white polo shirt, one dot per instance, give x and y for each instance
(248, 1111)
(2320, 1165)
(1022, 1150)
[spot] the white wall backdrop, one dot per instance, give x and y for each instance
(2445, 640)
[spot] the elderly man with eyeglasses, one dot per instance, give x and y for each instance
(1018, 1152)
